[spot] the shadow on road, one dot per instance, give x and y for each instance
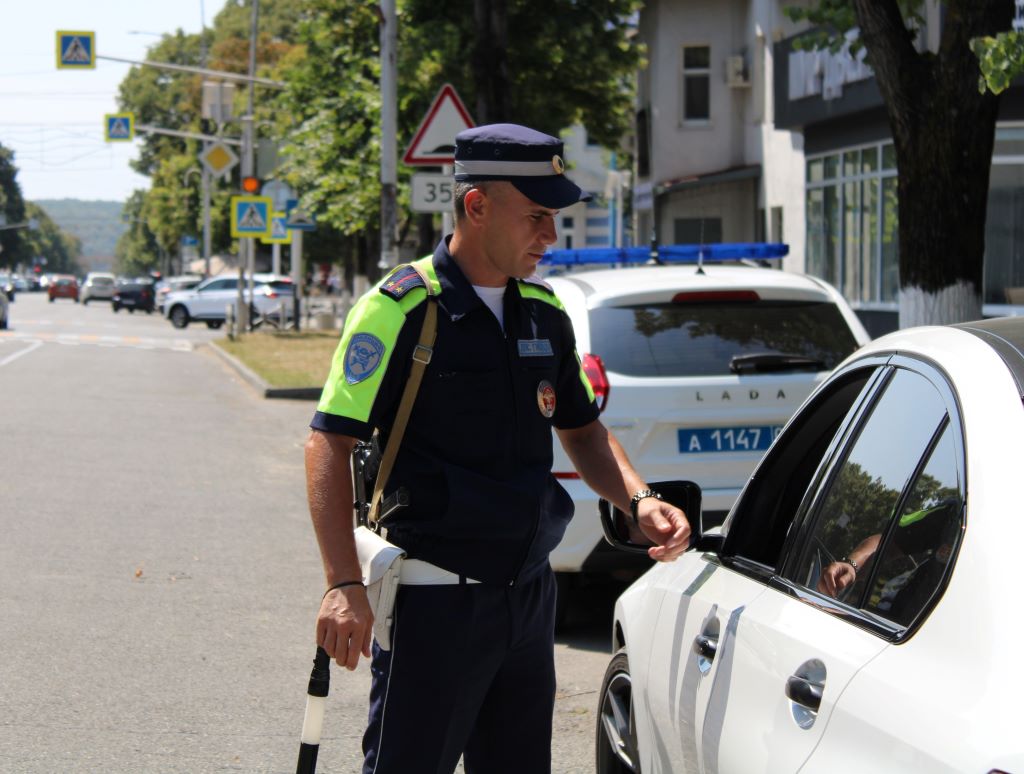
(588, 624)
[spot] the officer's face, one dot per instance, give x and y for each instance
(516, 231)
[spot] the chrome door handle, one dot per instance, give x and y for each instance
(805, 692)
(705, 646)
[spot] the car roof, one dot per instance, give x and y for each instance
(654, 284)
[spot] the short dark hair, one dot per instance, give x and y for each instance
(460, 191)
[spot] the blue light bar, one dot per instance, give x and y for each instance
(727, 251)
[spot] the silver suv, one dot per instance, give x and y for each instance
(98, 286)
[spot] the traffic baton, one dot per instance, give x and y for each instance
(313, 722)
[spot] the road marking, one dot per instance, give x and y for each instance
(11, 358)
(76, 339)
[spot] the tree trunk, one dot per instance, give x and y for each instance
(943, 130)
(490, 62)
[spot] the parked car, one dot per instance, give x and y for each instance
(62, 286)
(5, 307)
(698, 367)
(132, 294)
(859, 608)
(98, 286)
(174, 284)
(208, 301)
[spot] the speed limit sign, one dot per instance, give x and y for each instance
(432, 192)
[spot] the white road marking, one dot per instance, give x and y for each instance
(123, 342)
(11, 358)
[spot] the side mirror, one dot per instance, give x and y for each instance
(620, 532)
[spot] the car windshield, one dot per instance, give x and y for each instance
(102, 281)
(700, 339)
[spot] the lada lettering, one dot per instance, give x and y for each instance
(752, 395)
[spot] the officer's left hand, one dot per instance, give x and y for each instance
(666, 526)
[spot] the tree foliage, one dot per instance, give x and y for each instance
(12, 206)
(49, 242)
(1001, 59)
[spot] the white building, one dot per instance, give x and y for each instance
(711, 164)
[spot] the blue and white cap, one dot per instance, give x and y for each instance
(530, 160)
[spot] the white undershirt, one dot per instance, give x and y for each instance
(494, 298)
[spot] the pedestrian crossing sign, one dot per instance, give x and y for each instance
(120, 127)
(76, 50)
(278, 230)
(250, 216)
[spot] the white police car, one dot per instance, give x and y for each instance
(859, 610)
(698, 367)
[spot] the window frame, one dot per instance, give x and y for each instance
(686, 72)
(809, 514)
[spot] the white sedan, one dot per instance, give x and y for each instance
(859, 609)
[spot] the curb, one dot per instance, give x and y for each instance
(257, 381)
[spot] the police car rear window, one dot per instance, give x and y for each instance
(706, 339)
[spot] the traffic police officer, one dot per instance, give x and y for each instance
(471, 668)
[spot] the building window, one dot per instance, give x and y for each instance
(1004, 224)
(567, 222)
(852, 235)
(696, 83)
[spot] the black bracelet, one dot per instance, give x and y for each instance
(342, 585)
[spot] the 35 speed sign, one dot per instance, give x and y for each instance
(432, 192)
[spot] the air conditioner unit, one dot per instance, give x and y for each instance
(736, 72)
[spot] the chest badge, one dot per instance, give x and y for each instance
(362, 357)
(546, 398)
(535, 348)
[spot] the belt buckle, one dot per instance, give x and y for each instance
(422, 354)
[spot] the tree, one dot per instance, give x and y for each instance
(12, 207)
(943, 131)
(137, 251)
(47, 241)
(524, 66)
(1001, 58)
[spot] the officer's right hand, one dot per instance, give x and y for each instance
(344, 626)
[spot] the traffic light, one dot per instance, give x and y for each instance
(251, 185)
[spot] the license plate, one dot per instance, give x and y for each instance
(702, 440)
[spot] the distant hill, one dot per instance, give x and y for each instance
(97, 223)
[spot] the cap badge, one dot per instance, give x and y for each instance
(546, 398)
(558, 164)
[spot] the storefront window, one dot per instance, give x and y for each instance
(1004, 235)
(852, 235)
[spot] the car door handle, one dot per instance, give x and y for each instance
(805, 692)
(705, 646)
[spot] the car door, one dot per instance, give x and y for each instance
(693, 646)
(800, 644)
(211, 299)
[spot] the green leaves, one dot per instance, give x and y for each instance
(1001, 59)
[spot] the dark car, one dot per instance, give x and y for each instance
(134, 294)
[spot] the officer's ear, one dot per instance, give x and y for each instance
(476, 203)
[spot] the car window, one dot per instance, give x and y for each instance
(221, 284)
(760, 520)
(892, 496)
(701, 339)
(102, 281)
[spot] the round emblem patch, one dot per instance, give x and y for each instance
(362, 357)
(558, 164)
(546, 398)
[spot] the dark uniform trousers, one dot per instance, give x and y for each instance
(471, 672)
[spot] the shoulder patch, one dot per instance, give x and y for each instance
(536, 280)
(401, 281)
(362, 357)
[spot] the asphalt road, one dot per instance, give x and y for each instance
(158, 574)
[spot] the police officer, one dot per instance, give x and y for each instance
(471, 667)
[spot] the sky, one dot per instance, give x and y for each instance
(53, 119)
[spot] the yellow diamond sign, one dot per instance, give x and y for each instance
(218, 159)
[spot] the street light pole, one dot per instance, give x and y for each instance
(388, 131)
(248, 165)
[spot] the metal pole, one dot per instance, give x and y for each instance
(296, 259)
(248, 164)
(207, 236)
(388, 130)
(447, 217)
(221, 74)
(276, 258)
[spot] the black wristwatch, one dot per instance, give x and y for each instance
(643, 494)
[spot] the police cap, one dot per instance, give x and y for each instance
(528, 159)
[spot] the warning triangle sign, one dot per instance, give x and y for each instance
(76, 53)
(278, 229)
(434, 142)
(252, 219)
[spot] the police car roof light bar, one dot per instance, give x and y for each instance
(726, 251)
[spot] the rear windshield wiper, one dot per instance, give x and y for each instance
(769, 363)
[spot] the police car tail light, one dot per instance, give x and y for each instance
(593, 367)
(714, 296)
